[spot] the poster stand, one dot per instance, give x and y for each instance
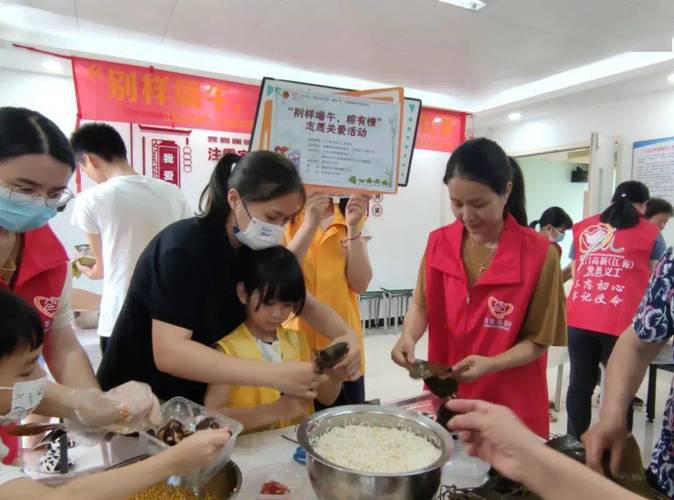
(410, 121)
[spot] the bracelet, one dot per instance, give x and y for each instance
(345, 241)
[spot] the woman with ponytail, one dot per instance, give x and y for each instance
(489, 289)
(553, 224)
(517, 202)
(613, 255)
(182, 298)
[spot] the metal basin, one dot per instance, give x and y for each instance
(333, 482)
(224, 485)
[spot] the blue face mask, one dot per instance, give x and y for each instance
(558, 238)
(21, 218)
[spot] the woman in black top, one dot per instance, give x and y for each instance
(182, 297)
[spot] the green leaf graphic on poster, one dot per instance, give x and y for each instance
(321, 157)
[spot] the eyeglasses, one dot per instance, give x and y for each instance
(22, 196)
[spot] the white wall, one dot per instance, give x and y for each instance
(548, 183)
(399, 235)
(628, 120)
(52, 95)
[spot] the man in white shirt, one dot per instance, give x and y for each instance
(120, 215)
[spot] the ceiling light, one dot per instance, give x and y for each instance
(437, 119)
(513, 117)
(670, 78)
(466, 4)
(51, 66)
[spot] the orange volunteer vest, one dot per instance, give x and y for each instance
(324, 268)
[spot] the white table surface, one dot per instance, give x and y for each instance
(252, 451)
(263, 449)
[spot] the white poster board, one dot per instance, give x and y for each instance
(653, 164)
(338, 141)
(410, 122)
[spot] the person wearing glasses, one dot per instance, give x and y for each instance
(36, 163)
(120, 215)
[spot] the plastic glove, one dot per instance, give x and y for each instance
(92, 411)
(138, 406)
(125, 409)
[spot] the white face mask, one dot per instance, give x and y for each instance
(26, 396)
(259, 234)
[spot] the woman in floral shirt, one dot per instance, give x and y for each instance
(634, 351)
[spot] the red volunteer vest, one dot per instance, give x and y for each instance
(486, 319)
(612, 272)
(39, 279)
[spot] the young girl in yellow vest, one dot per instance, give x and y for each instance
(271, 286)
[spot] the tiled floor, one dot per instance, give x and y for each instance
(387, 381)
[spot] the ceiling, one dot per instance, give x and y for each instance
(450, 57)
(638, 83)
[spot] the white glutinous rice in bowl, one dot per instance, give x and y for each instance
(375, 449)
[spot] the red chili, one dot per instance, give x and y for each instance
(274, 488)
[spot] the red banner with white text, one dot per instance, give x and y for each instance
(135, 94)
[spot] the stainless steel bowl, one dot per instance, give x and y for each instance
(333, 482)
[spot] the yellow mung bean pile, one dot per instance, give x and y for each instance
(163, 491)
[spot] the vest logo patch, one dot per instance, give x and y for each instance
(46, 305)
(498, 308)
(601, 269)
(597, 238)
